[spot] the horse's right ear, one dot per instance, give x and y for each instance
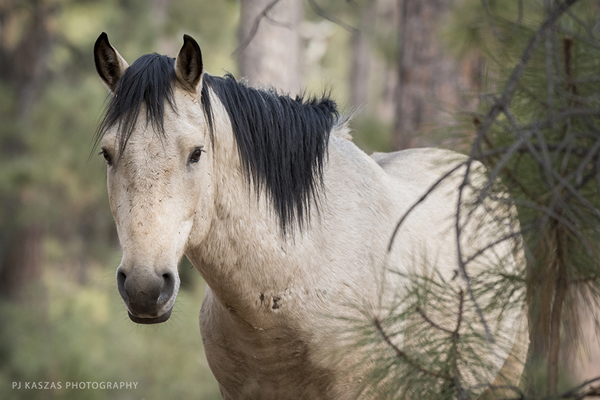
(188, 64)
(109, 63)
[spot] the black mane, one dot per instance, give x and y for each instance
(282, 141)
(149, 80)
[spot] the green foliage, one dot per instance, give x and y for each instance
(213, 25)
(446, 336)
(371, 134)
(440, 349)
(538, 132)
(72, 326)
(84, 335)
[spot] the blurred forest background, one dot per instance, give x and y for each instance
(413, 73)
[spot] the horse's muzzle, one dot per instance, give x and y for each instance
(148, 294)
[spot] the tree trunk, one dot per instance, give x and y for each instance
(159, 12)
(270, 45)
(430, 80)
(22, 263)
(361, 56)
(23, 68)
(386, 68)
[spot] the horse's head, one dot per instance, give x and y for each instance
(159, 170)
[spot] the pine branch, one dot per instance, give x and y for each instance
(454, 349)
(490, 19)
(247, 40)
(430, 322)
(402, 355)
(517, 72)
(331, 18)
(419, 201)
(562, 286)
(576, 393)
(461, 263)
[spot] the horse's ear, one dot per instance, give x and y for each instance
(109, 63)
(188, 65)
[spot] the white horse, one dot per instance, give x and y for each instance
(287, 221)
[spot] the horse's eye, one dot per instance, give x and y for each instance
(195, 156)
(107, 156)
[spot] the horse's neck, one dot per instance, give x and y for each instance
(245, 258)
(244, 251)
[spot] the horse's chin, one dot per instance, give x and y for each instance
(148, 321)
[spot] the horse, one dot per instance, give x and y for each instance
(286, 220)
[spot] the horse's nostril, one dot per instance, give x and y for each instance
(168, 282)
(168, 287)
(121, 278)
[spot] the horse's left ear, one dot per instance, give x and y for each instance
(188, 65)
(109, 63)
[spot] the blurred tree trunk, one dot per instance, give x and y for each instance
(25, 44)
(361, 56)
(159, 12)
(385, 66)
(23, 261)
(430, 80)
(270, 45)
(23, 62)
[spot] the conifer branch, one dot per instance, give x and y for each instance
(253, 31)
(517, 72)
(420, 200)
(430, 322)
(331, 18)
(402, 355)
